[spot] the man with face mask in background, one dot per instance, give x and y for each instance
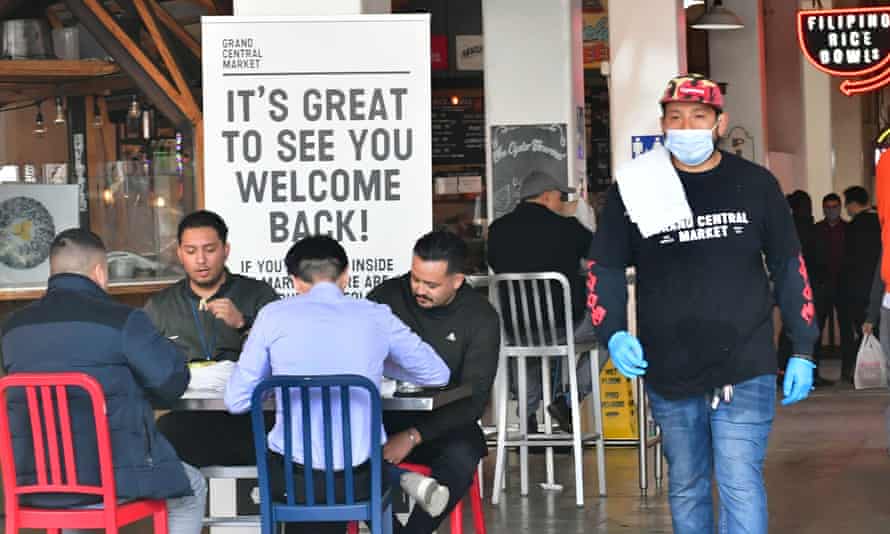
(705, 305)
(825, 269)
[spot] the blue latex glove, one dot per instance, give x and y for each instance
(798, 380)
(627, 354)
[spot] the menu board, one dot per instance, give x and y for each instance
(458, 131)
(517, 150)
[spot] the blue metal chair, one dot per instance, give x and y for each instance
(377, 511)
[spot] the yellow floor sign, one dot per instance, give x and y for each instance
(619, 412)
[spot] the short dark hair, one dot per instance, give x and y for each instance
(442, 245)
(76, 238)
(316, 258)
(203, 219)
(75, 250)
(800, 203)
(831, 197)
(857, 194)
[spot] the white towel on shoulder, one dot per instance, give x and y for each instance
(652, 192)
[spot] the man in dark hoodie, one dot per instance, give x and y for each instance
(862, 250)
(459, 323)
(78, 327)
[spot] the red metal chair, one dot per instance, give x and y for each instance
(457, 515)
(53, 416)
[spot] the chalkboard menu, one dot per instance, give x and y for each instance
(458, 131)
(516, 150)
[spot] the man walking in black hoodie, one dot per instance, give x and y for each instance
(862, 249)
(463, 328)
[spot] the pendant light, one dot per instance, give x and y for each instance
(39, 125)
(60, 111)
(718, 17)
(97, 114)
(135, 110)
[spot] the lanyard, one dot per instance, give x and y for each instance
(207, 348)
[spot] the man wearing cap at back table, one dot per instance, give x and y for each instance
(705, 308)
(536, 237)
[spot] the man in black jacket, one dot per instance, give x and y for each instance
(208, 313)
(459, 323)
(862, 250)
(77, 327)
(536, 237)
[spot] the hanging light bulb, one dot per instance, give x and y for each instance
(135, 110)
(718, 17)
(97, 114)
(39, 125)
(107, 196)
(160, 202)
(60, 111)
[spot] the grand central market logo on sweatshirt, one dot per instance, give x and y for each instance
(718, 225)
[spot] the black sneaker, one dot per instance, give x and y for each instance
(559, 410)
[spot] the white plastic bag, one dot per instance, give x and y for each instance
(871, 369)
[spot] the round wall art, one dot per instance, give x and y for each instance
(26, 232)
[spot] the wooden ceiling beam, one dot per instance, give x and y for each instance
(206, 4)
(177, 30)
(148, 78)
(186, 98)
(16, 93)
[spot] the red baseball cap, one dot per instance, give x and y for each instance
(693, 88)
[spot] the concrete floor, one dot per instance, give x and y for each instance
(827, 471)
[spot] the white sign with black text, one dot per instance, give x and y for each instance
(319, 125)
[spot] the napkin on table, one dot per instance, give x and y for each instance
(212, 376)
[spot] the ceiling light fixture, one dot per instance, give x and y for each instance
(718, 17)
(39, 125)
(135, 110)
(97, 113)
(60, 111)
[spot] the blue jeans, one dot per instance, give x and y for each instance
(729, 442)
(185, 515)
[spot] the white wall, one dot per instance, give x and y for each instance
(847, 139)
(647, 41)
(736, 58)
(786, 151)
(817, 114)
(533, 67)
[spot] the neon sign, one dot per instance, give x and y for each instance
(849, 43)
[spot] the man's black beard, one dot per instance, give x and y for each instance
(208, 285)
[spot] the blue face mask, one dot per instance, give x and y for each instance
(691, 147)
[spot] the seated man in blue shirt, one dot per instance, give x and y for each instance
(323, 332)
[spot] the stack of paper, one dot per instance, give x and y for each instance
(652, 192)
(212, 377)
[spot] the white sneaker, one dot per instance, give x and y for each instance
(426, 492)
